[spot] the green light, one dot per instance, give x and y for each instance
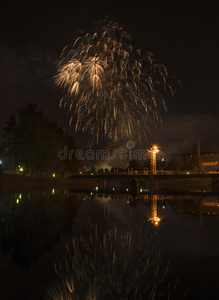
(141, 190)
(53, 191)
(20, 196)
(187, 173)
(91, 193)
(17, 200)
(21, 169)
(92, 174)
(96, 188)
(53, 175)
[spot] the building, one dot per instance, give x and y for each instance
(208, 161)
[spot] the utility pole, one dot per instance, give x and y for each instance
(198, 150)
(198, 141)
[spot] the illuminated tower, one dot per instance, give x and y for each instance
(154, 219)
(153, 152)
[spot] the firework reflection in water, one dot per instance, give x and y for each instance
(112, 262)
(110, 89)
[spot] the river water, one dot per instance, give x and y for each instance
(58, 243)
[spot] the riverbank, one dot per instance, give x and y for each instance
(10, 183)
(183, 184)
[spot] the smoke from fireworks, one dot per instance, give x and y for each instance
(110, 89)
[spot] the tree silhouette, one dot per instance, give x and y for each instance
(33, 141)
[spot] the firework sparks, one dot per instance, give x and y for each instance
(112, 262)
(110, 89)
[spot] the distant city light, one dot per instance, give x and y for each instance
(17, 200)
(20, 196)
(0, 162)
(96, 188)
(21, 169)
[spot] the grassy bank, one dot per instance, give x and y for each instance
(10, 183)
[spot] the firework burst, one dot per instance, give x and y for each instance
(110, 89)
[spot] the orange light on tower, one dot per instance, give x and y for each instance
(154, 219)
(153, 153)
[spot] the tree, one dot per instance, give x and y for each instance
(33, 142)
(9, 144)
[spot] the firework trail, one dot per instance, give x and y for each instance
(112, 262)
(110, 89)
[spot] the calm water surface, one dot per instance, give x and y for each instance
(151, 246)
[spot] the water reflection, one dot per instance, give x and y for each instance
(114, 260)
(183, 204)
(32, 223)
(119, 252)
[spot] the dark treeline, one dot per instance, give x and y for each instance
(31, 143)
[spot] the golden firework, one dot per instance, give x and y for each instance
(110, 89)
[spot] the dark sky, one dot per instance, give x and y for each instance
(182, 36)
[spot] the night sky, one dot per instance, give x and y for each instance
(182, 36)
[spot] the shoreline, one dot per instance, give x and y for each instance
(10, 183)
